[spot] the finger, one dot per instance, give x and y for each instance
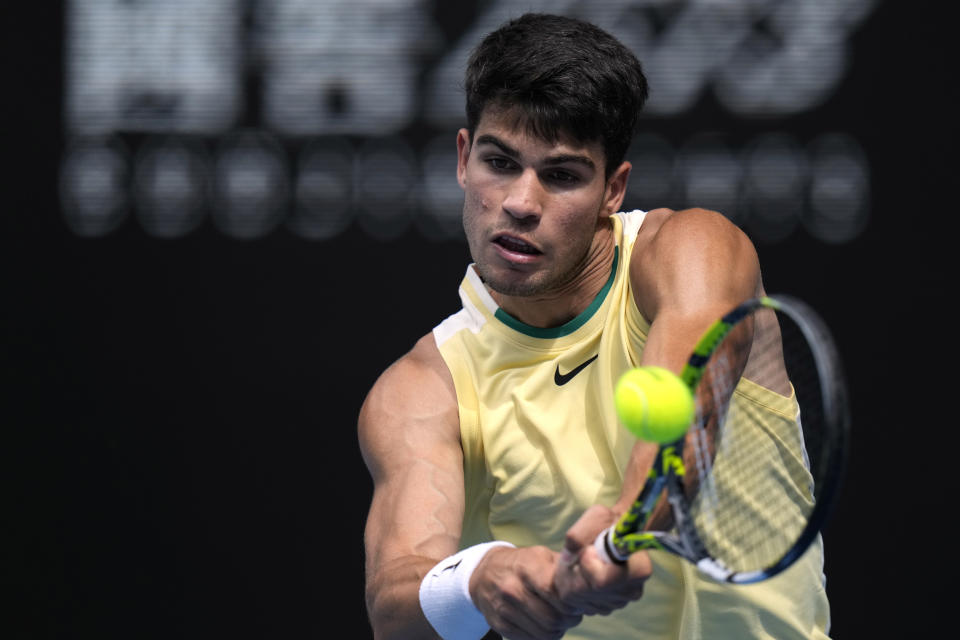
(570, 583)
(534, 617)
(584, 531)
(549, 593)
(578, 590)
(609, 587)
(639, 566)
(637, 569)
(598, 573)
(509, 629)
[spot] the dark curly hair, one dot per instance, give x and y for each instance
(562, 77)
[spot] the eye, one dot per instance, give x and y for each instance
(562, 177)
(499, 163)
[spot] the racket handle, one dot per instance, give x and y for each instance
(605, 549)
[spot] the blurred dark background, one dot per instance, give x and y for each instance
(224, 219)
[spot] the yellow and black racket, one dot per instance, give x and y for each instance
(751, 484)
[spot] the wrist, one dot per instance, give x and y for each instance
(621, 506)
(445, 594)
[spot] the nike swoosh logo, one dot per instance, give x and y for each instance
(563, 378)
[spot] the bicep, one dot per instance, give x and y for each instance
(409, 438)
(695, 268)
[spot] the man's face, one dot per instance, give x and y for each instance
(531, 207)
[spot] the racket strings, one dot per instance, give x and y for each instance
(753, 494)
(706, 432)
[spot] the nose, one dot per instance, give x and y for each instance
(523, 197)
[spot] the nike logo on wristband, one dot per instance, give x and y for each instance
(563, 378)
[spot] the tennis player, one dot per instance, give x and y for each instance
(494, 448)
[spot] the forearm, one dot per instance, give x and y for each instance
(393, 600)
(641, 461)
(410, 439)
(668, 345)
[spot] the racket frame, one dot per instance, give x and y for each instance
(627, 536)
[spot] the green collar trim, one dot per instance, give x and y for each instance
(571, 326)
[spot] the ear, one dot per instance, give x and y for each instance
(463, 154)
(616, 189)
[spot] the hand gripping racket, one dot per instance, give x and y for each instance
(751, 484)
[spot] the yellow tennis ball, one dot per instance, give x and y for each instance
(654, 404)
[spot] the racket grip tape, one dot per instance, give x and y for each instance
(605, 548)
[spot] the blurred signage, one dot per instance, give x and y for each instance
(316, 115)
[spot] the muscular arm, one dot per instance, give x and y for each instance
(409, 437)
(687, 269)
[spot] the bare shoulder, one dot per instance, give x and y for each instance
(411, 406)
(667, 235)
(692, 257)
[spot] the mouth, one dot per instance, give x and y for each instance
(515, 245)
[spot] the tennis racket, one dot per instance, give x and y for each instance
(751, 484)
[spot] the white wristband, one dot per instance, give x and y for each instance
(445, 595)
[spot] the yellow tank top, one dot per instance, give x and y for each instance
(541, 443)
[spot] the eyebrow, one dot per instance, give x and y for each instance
(551, 160)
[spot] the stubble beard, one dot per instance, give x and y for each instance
(535, 284)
